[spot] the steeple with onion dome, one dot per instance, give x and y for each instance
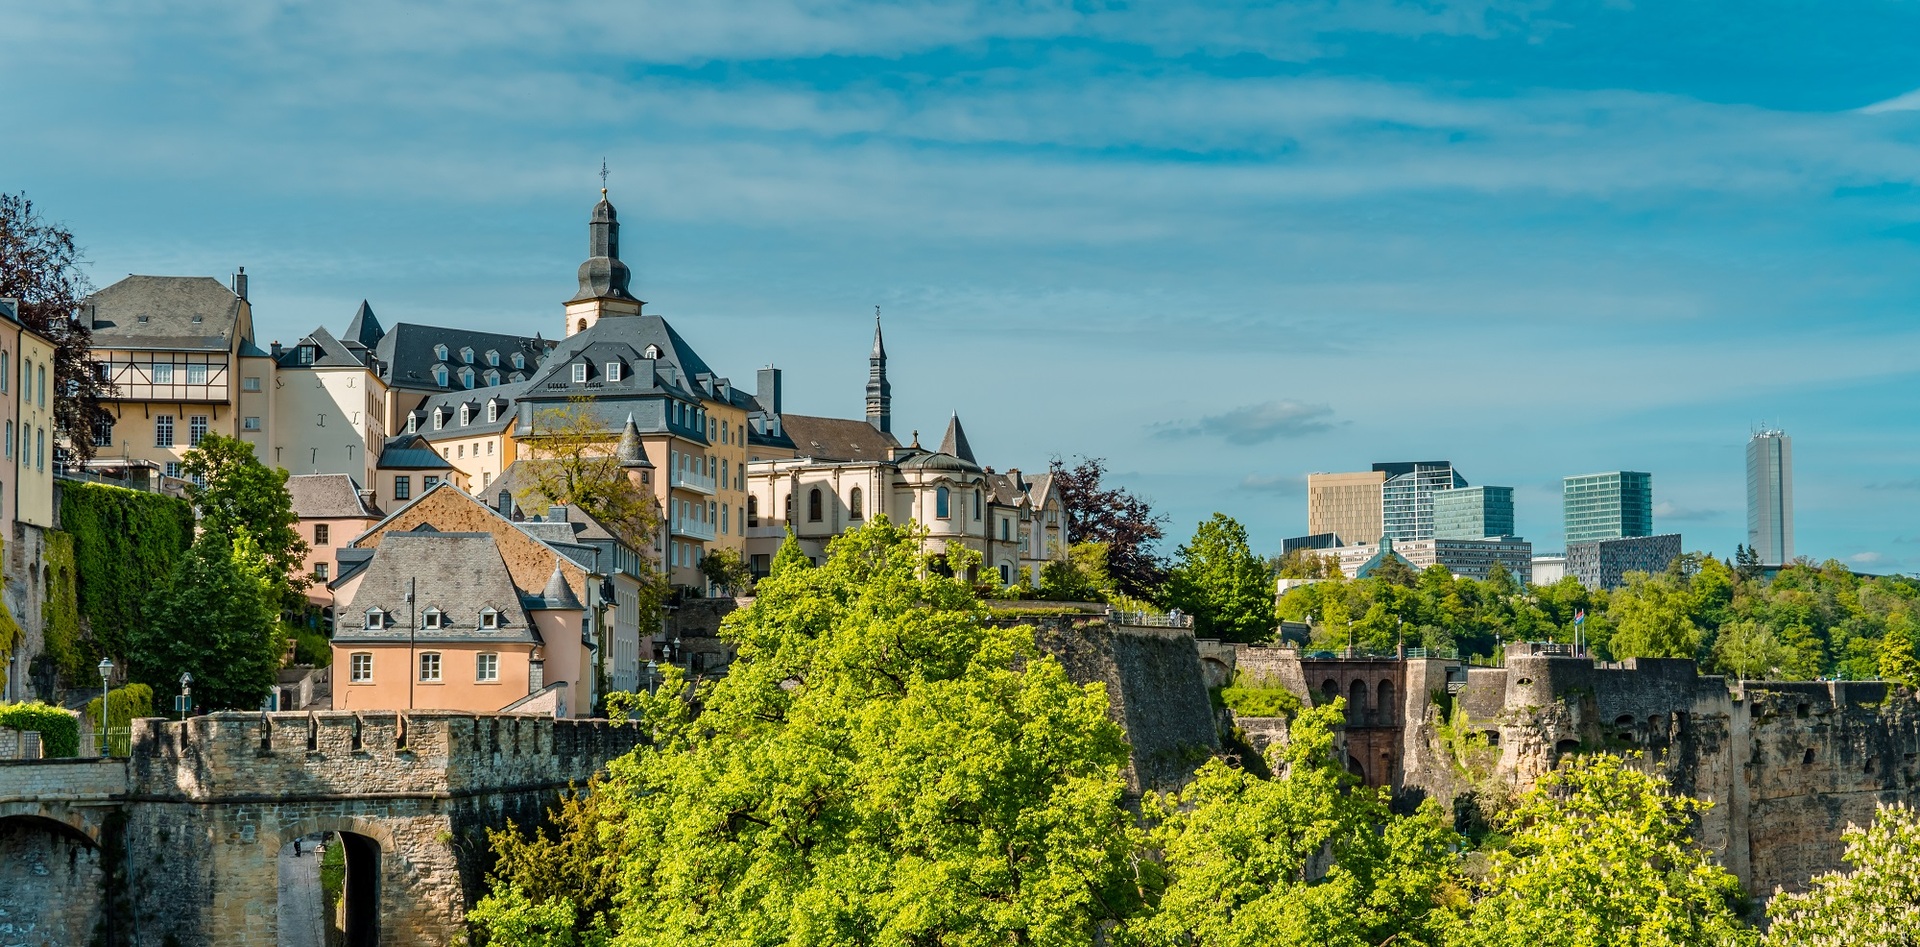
(604, 280)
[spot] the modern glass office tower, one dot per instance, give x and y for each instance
(1770, 497)
(1406, 499)
(1612, 505)
(1473, 513)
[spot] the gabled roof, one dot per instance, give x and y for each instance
(170, 312)
(407, 355)
(476, 401)
(328, 352)
(457, 573)
(328, 496)
(837, 438)
(411, 452)
(676, 367)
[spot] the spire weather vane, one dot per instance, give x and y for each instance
(603, 175)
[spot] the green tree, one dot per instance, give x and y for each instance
(1749, 649)
(1600, 854)
(1652, 619)
(1877, 904)
(1222, 584)
(571, 458)
(555, 886)
(789, 556)
(1081, 577)
(232, 490)
(726, 570)
(881, 766)
(1394, 570)
(1898, 661)
(219, 620)
(1305, 858)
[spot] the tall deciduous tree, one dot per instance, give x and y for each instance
(232, 490)
(1899, 659)
(219, 620)
(570, 458)
(40, 266)
(1306, 858)
(1222, 584)
(1601, 854)
(1124, 523)
(881, 766)
(1876, 904)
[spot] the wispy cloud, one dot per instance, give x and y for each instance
(1905, 102)
(1255, 423)
(1865, 558)
(1279, 484)
(1668, 510)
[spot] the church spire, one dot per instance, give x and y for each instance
(604, 280)
(879, 392)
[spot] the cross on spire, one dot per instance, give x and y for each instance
(603, 177)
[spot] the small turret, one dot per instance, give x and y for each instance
(629, 452)
(558, 594)
(879, 392)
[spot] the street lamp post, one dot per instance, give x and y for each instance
(106, 676)
(184, 702)
(652, 668)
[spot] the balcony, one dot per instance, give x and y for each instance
(687, 480)
(692, 529)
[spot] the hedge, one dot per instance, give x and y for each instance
(124, 547)
(59, 730)
(127, 704)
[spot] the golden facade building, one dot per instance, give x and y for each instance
(1346, 504)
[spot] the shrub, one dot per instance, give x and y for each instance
(125, 705)
(1258, 697)
(59, 730)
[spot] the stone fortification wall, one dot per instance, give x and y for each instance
(1156, 689)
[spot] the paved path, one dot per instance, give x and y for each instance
(300, 899)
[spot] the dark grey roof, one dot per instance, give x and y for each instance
(476, 401)
(559, 595)
(171, 312)
(955, 442)
(411, 452)
(937, 460)
(328, 496)
(408, 357)
(603, 276)
(364, 330)
(457, 573)
(837, 438)
(329, 352)
(10, 310)
(630, 452)
(879, 347)
(629, 339)
(578, 525)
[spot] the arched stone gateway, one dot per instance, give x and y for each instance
(49, 873)
(203, 810)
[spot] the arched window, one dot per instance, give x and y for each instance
(855, 508)
(1357, 700)
(1006, 574)
(753, 511)
(813, 505)
(1384, 707)
(582, 327)
(942, 503)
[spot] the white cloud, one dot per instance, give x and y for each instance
(1256, 423)
(1904, 102)
(1864, 558)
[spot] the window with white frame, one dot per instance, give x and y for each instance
(196, 374)
(466, 354)
(489, 619)
(519, 361)
(163, 431)
(163, 373)
(196, 429)
(466, 378)
(429, 667)
(580, 373)
(493, 411)
(613, 371)
(493, 357)
(466, 415)
(440, 376)
(653, 351)
(103, 432)
(440, 352)
(249, 424)
(250, 383)
(376, 619)
(320, 571)
(361, 664)
(438, 419)
(430, 619)
(486, 668)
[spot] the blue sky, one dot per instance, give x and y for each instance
(1221, 245)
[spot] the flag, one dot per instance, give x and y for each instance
(1580, 616)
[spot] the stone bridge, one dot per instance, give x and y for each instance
(179, 843)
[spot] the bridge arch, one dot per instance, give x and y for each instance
(70, 821)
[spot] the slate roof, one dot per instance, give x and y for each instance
(165, 312)
(329, 352)
(328, 496)
(837, 438)
(457, 573)
(476, 401)
(365, 330)
(577, 527)
(407, 356)
(411, 452)
(626, 339)
(955, 442)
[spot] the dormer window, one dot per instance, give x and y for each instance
(493, 358)
(440, 375)
(466, 415)
(653, 351)
(306, 355)
(376, 619)
(431, 620)
(493, 411)
(466, 354)
(413, 423)
(489, 619)
(440, 352)
(466, 378)
(580, 373)
(438, 419)
(493, 377)
(519, 362)
(613, 371)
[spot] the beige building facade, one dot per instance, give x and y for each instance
(1346, 504)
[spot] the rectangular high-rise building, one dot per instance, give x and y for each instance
(1345, 504)
(1613, 505)
(1406, 498)
(1473, 513)
(1770, 497)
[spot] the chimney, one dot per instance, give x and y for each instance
(274, 350)
(366, 498)
(556, 514)
(240, 283)
(769, 390)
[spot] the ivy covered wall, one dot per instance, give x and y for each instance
(114, 554)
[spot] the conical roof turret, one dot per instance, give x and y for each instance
(559, 594)
(630, 453)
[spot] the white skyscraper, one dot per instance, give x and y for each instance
(1770, 497)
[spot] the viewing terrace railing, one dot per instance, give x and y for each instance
(1150, 619)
